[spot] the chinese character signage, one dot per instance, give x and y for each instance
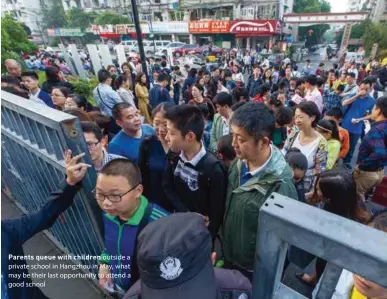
(125, 29)
(64, 32)
(209, 26)
(256, 28)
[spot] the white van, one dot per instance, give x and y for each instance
(354, 56)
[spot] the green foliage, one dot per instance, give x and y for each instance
(375, 33)
(358, 31)
(54, 15)
(42, 77)
(311, 6)
(106, 18)
(14, 40)
(84, 87)
(77, 18)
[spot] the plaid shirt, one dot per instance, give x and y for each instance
(331, 100)
(107, 157)
(373, 148)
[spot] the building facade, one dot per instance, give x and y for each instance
(26, 12)
(354, 5)
(377, 9)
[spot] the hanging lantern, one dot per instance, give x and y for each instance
(336, 32)
(310, 31)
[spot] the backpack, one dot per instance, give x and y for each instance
(207, 163)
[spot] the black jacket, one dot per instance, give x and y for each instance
(16, 231)
(253, 86)
(209, 198)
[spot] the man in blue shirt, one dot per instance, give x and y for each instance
(158, 93)
(31, 82)
(359, 109)
(104, 95)
(127, 142)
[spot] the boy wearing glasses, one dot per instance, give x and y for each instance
(126, 212)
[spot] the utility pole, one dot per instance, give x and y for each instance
(139, 37)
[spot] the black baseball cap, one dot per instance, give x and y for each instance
(174, 259)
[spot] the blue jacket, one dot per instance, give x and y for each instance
(158, 95)
(15, 232)
(253, 86)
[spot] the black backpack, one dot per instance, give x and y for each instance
(207, 163)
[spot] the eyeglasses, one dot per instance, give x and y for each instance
(112, 198)
(92, 144)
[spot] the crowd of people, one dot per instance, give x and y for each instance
(186, 162)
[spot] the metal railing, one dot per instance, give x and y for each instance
(34, 138)
(343, 243)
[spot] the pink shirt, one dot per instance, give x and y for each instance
(316, 97)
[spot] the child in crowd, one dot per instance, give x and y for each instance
(330, 131)
(274, 102)
(263, 95)
(332, 100)
(226, 151)
(283, 118)
(230, 83)
(196, 180)
(336, 115)
(126, 212)
(352, 286)
(297, 161)
(320, 84)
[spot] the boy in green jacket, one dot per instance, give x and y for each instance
(259, 170)
(220, 126)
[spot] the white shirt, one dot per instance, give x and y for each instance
(238, 77)
(309, 150)
(261, 168)
(223, 89)
(247, 59)
(226, 128)
(34, 97)
(316, 97)
(355, 71)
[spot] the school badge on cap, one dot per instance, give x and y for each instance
(170, 268)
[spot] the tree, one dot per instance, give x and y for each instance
(375, 33)
(106, 18)
(77, 18)
(54, 15)
(14, 39)
(358, 31)
(312, 6)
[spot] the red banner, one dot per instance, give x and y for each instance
(209, 26)
(256, 27)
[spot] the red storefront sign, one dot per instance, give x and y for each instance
(209, 27)
(255, 28)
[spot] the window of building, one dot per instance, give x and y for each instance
(177, 15)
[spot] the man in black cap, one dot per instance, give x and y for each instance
(175, 261)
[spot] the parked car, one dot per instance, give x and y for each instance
(182, 50)
(173, 45)
(127, 44)
(203, 50)
(149, 46)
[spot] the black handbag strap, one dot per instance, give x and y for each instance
(99, 94)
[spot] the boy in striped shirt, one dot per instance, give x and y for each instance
(126, 212)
